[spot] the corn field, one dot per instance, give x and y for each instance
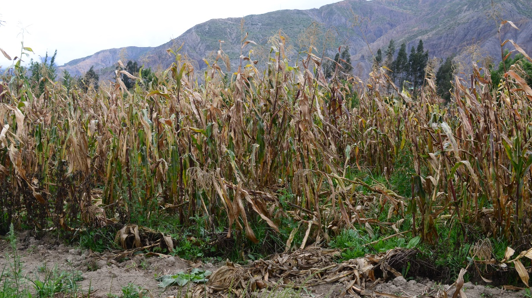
(225, 148)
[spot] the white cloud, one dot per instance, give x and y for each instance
(81, 28)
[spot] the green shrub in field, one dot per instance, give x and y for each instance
(55, 281)
(12, 283)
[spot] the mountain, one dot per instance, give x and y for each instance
(467, 28)
(104, 61)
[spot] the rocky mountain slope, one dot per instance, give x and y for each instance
(467, 28)
(104, 61)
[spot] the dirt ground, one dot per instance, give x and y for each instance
(106, 276)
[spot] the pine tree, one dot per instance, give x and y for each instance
(67, 80)
(336, 63)
(341, 65)
(390, 51)
(444, 76)
(400, 66)
(133, 68)
(421, 60)
(90, 79)
(345, 63)
(388, 62)
(378, 58)
(412, 65)
(43, 72)
(329, 67)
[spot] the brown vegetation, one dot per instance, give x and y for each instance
(224, 148)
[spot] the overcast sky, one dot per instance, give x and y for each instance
(81, 28)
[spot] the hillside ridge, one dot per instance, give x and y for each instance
(455, 27)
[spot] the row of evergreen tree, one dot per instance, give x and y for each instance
(44, 72)
(407, 71)
(340, 67)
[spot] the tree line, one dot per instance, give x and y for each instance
(407, 70)
(91, 78)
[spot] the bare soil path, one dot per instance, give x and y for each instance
(106, 277)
